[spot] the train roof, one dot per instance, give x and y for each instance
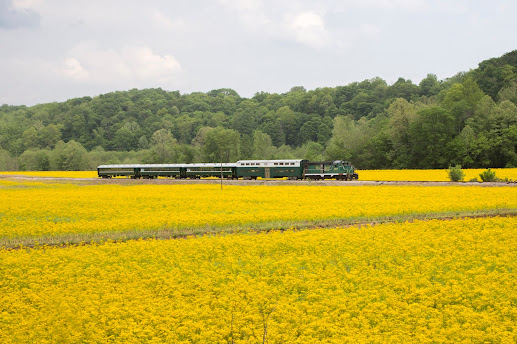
(168, 165)
(268, 162)
(120, 166)
(211, 164)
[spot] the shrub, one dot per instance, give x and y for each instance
(456, 174)
(488, 176)
(474, 180)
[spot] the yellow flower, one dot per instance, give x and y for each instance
(420, 282)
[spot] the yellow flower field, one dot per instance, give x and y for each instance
(422, 282)
(54, 174)
(48, 209)
(379, 175)
(431, 175)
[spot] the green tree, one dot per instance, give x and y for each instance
(244, 122)
(429, 133)
(262, 146)
(70, 156)
(508, 92)
(348, 138)
(403, 89)
(221, 144)
(313, 151)
(272, 126)
(494, 74)
(30, 138)
(48, 136)
(461, 100)
(163, 148)
(35, 160)
(455, 173)
(309, 130)
(126, 138)
(429, 86)
(7, 163)
(401, 115)
(185, 128)
(289, 124)
(143, 142)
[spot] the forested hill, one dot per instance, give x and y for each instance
(469, 119)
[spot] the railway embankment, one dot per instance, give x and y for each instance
(272, 182)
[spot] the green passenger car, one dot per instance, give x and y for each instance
(109, 171)
(253, 169)
(196, 171)
(152, 171)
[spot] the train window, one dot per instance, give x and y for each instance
(276, 163)
(247, 164)
(292, 163)
(281, 163)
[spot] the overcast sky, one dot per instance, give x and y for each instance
(53, 50)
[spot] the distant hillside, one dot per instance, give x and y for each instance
(495, 74)
(468, 119)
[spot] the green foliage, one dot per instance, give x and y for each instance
(468, 119)
(496, 73)
(456, 174)
(35, 160)
(70, 156)
(488, 176)
(262, 146)
(221, 144)
(429, 134)
(7, 163)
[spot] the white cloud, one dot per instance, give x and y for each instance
(369, 31)
(308, 28)
(417, 6)
(410, 5)
(242, 5)
(250, 13)
(26, 4)
(88, 63)
(162, 22)
(72, 68)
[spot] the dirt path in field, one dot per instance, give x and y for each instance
(167, 181)
(30, 243)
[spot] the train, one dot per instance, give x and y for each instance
(292, 169)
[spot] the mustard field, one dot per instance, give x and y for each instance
(431, 175)
(58, 212)
(376, 175)
(423, 282)
(53, 174)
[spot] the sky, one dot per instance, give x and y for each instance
(53, 50)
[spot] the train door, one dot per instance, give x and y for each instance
(267, 172)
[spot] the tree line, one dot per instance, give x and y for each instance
(469, 120)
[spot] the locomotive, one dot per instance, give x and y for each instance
(291, 169)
